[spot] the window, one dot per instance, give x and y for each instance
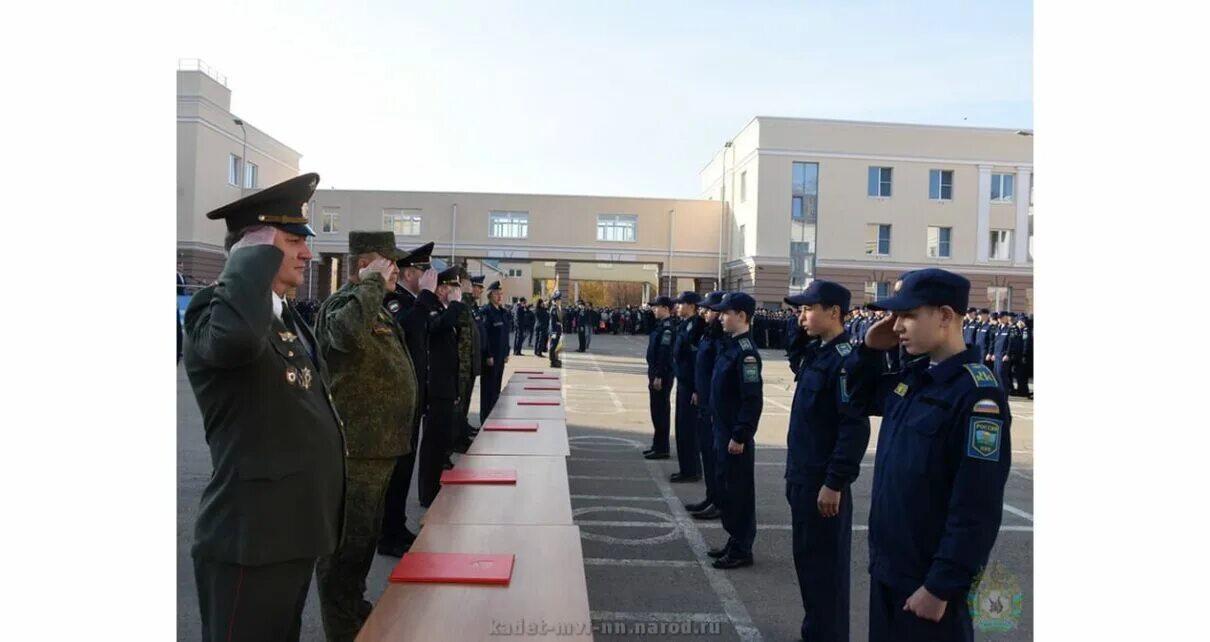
(1002, 188)
(939, 242)
(804, 201)
(251, 177)
(875, 290)
(1001, 297)
(513, 272)
(743, 187)
(508, 225)
(880, 182)
(941, 184)
(331, 220)
(1001, 245)
(878, 240)
(801, 263)
(743, 233)
(233, 170)
(401, 222)
(620, 228)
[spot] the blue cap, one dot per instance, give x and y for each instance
(556, 295)
(984, 311)
(661, 300)
(712, 299)
(739, 301)
(477, 280)
(494, 286)
(689, 296)
(930, 286)
(824, 292)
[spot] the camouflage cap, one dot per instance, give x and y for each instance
(381, 243)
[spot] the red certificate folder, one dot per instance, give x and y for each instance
(538, 402)
(540, 388)
(479, 476)
(454, 568)
(526, 426)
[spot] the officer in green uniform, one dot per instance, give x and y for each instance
(470, 366)
(274, 502)
(374, 386)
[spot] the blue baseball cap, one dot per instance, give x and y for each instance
(712, 299)
(661, 300)
(690, 297)
(738, 301)
(824, 292)
(494, 286)
(930, 286)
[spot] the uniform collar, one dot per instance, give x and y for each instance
(946, 370)
(277, 305)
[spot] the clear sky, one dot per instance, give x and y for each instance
(614, 98)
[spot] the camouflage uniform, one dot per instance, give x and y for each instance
(374, 389)
(470, 361)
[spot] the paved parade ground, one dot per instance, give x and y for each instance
(645, 558)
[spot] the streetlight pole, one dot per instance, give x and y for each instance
(722, 216)
(243, 169)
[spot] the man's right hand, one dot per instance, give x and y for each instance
(428, 280)
(380, 266)
(881, 336)
(657, 384)
(261, 235)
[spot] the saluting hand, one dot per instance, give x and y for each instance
(881, 335)
(926, 605)
(428, 280)
(828, 502)
(262, 235)
(383, 267)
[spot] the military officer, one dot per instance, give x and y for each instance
(826, 442)
(581, 317)
(703, 368)
(374, 389)
(660, 376)
(496, 322)
(556, 329)
(984, 335)
(594, 321)
(1001, 343)
(737, 395)
(943, 457)
(274, 502)
(411, 303)
(470, 363)
(443, 392)
(684, 360)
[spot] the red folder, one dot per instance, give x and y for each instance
(538, 402)
(456, 568)
(528, 426)
(540, 388)
(479, 476)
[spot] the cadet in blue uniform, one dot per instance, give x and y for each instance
(1021, 353)
(735, 391)
(541, 327)
(684, 358)
(496, 322)
(984, 334)
(703, 369)
(556, 329)
(826, 441)
(970, 326)
(943, 457)
(581, 326)
(520, 321)
(659, 376)
(1002, 338)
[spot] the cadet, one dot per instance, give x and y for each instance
(275, 499)
(984, 334)
(737, 398)
(594, 320)
(556, 329)
(684, 359)
(541, 327)
(1022, 352)
(659, 376)
(703, 369)
(522, 321)
(443, 384)
(582, 323)
(374, 389)
(496, 322)
(970, 326)
(942, 460)
(826, 442)
(410, 303)
(1001, 342)
(471, 342)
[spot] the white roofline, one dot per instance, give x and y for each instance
(870, 123)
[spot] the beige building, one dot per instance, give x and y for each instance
(860, 203)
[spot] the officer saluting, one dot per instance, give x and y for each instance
(826, 441)
(274, 502)
(942, 461)
(738, 398)
(443, 384)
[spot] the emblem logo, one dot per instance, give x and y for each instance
(306, 378)
(995, 600)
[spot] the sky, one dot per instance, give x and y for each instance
(618, 98)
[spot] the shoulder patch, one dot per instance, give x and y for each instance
(666, 339)
(393, 306)
(986, 407)
(751, 370)
(982, 375)
(844, 349)
(983, 439)
(745, 343)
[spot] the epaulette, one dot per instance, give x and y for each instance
(745, 344)
(844, 349)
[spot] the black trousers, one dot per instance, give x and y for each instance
(395, 513)
(890, 623)
(540, 343)
(489, 387)
(252, 603)
(438, 429)
(518, 341)
(661, 412)
(464, 409)
(583, 341)
(822, 551)
(705, 443)
(737, 486)
(556, 349)
(1021, 378)
(687, 454)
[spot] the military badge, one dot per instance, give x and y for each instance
(983, 439)
(666, 339)
(306, 378)
(901, 389)
(291, 376)
(751, 370)
(287, 336)
(987, 407)
(995, 600)
(844, 349)
(982, 375)
(393, 306)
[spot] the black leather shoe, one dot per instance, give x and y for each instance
(655, 455)
(448, 465)
(461, 448)
(717, 552)
(712, 512)
(728, 562)
(393, 550)
(678, 478)
(698, 507)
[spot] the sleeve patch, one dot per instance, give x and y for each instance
(982, 375)
(986, 407)
(666, 339)
(844, 349)
(751, 371)
(983, 440)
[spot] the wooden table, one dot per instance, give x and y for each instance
(550, 440)
(508, 408)
(547, 585)
(540, 496)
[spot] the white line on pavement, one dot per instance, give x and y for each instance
(629, 616)
(607, 478)
(759, 527)
(609, 561)
(620, 498)
(1018, 512)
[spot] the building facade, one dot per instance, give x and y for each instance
(861, 203)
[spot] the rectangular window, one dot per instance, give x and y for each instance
(941, 184)
(880, 182)
(331, 220)
(1001, 297)
(804, 200)
(743, 187)
(878, 240)
(508, 225)
(875, 290)
(1001, 245)
(401, 222)
(939, 242)
(621, 228)
(233, 163)
(1002, 188)
(251, 177)
(800, 263)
